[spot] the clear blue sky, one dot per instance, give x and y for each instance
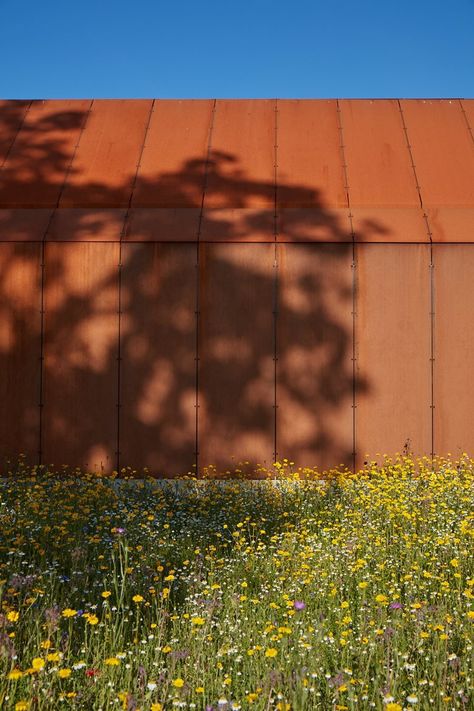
(240, 48)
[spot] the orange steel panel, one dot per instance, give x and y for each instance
(34, 172)
(443, 151)
(393, 330)
(80, 350)
(451, 224)
(238, 225)
(240, 172)
(314, 225)
(389, 224)
(378, 160)
(12, 114)
(172, 167)
(23, 225)
(236, 373)
(314, 348)
(310, 169)
(158, 349)
(468, 107)
(86, 225)
(105, 164)
(20, 351)
(163, 224)
(454, 349)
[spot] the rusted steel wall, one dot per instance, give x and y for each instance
(187, 283)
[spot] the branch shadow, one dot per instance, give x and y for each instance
(131, 356)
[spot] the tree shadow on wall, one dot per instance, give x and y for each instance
(180, 342)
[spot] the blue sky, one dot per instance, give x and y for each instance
(245, 48)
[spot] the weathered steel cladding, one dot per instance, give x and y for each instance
(241, 167)
(314, 351)
(310, 171)
(80, 375)
(378, 162)
(12, 115)
(453, 348)
(235, 231)
(393, 336)
(172, 166)
(157, 351)
(38, 162)
(105, 162)
(20, 350)
(236, 394)
(443, 151)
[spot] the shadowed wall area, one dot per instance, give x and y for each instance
(186, 283)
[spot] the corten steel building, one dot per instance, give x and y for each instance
(185, 283)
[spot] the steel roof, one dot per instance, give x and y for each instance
(382, 170)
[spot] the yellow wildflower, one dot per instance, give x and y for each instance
(69, 612)
(37, 663)
(271, 652)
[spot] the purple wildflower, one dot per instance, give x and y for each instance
(299, 605)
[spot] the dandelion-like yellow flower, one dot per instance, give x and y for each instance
(13, 616)
(271, 652)
(392, 706)
(37, 663)
(157, 706)
(69, 612)
(112, 661)
(53, 657)
(198, 621)
(138, 598)
(64, 673)
(106, 594)
(15, 674)
(92, 619)
(178, 683)
(22, 706)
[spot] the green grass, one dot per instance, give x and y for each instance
(348, 593)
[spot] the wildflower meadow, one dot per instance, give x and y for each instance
(297, 591)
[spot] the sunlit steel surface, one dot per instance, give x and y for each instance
(186, 283)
